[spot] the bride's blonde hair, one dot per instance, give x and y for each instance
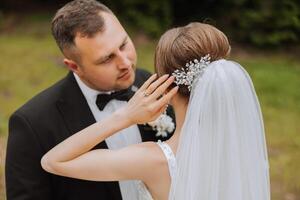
(179, 45)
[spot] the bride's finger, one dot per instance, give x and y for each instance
(152, 87)
(159, 112)
(162, 88)
(163, 109)
(148, 82)
(164, 100)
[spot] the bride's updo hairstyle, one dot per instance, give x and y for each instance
(180, 45)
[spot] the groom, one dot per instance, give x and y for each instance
(101, 58)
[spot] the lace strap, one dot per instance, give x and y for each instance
(170, 157)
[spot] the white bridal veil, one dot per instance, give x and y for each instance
(222, 151)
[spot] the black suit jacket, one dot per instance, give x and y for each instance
(44, 121)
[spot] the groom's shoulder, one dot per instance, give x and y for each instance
(141, 75)
(44, 100)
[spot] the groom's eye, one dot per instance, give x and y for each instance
(123, 45)
(108, 59)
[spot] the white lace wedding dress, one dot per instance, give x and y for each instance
(144, 193)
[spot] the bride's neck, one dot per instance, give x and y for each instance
(180, 105)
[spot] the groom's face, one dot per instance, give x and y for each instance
(108, 59)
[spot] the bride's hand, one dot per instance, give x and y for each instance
(150, 100)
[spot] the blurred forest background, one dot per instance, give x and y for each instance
(265, 38)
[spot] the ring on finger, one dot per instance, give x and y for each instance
(146, 94)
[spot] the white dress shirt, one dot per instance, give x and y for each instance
(123, 138)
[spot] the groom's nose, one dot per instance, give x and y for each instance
(123, 61)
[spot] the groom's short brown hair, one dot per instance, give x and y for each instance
(77, 17)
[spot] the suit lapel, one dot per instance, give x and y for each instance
(74, 107)
(147, 133)
(77, 116)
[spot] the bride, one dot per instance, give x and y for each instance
(218, 150)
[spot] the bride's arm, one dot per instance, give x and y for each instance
(73, 157)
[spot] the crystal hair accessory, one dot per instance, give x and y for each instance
(192, 70)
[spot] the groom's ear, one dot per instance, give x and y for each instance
(72, 65)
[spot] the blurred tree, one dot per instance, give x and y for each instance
(185, 11)
(260, 23)
(266, 23)
(151, 17)
(28, 5)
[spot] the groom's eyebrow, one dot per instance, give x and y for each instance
(103, 58)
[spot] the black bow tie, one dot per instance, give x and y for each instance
(122, 95)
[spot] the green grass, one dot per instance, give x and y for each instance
(27, 66)
(30, 62)
(277, 81)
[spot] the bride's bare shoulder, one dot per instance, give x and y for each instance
(152, 152)
(152, 157)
